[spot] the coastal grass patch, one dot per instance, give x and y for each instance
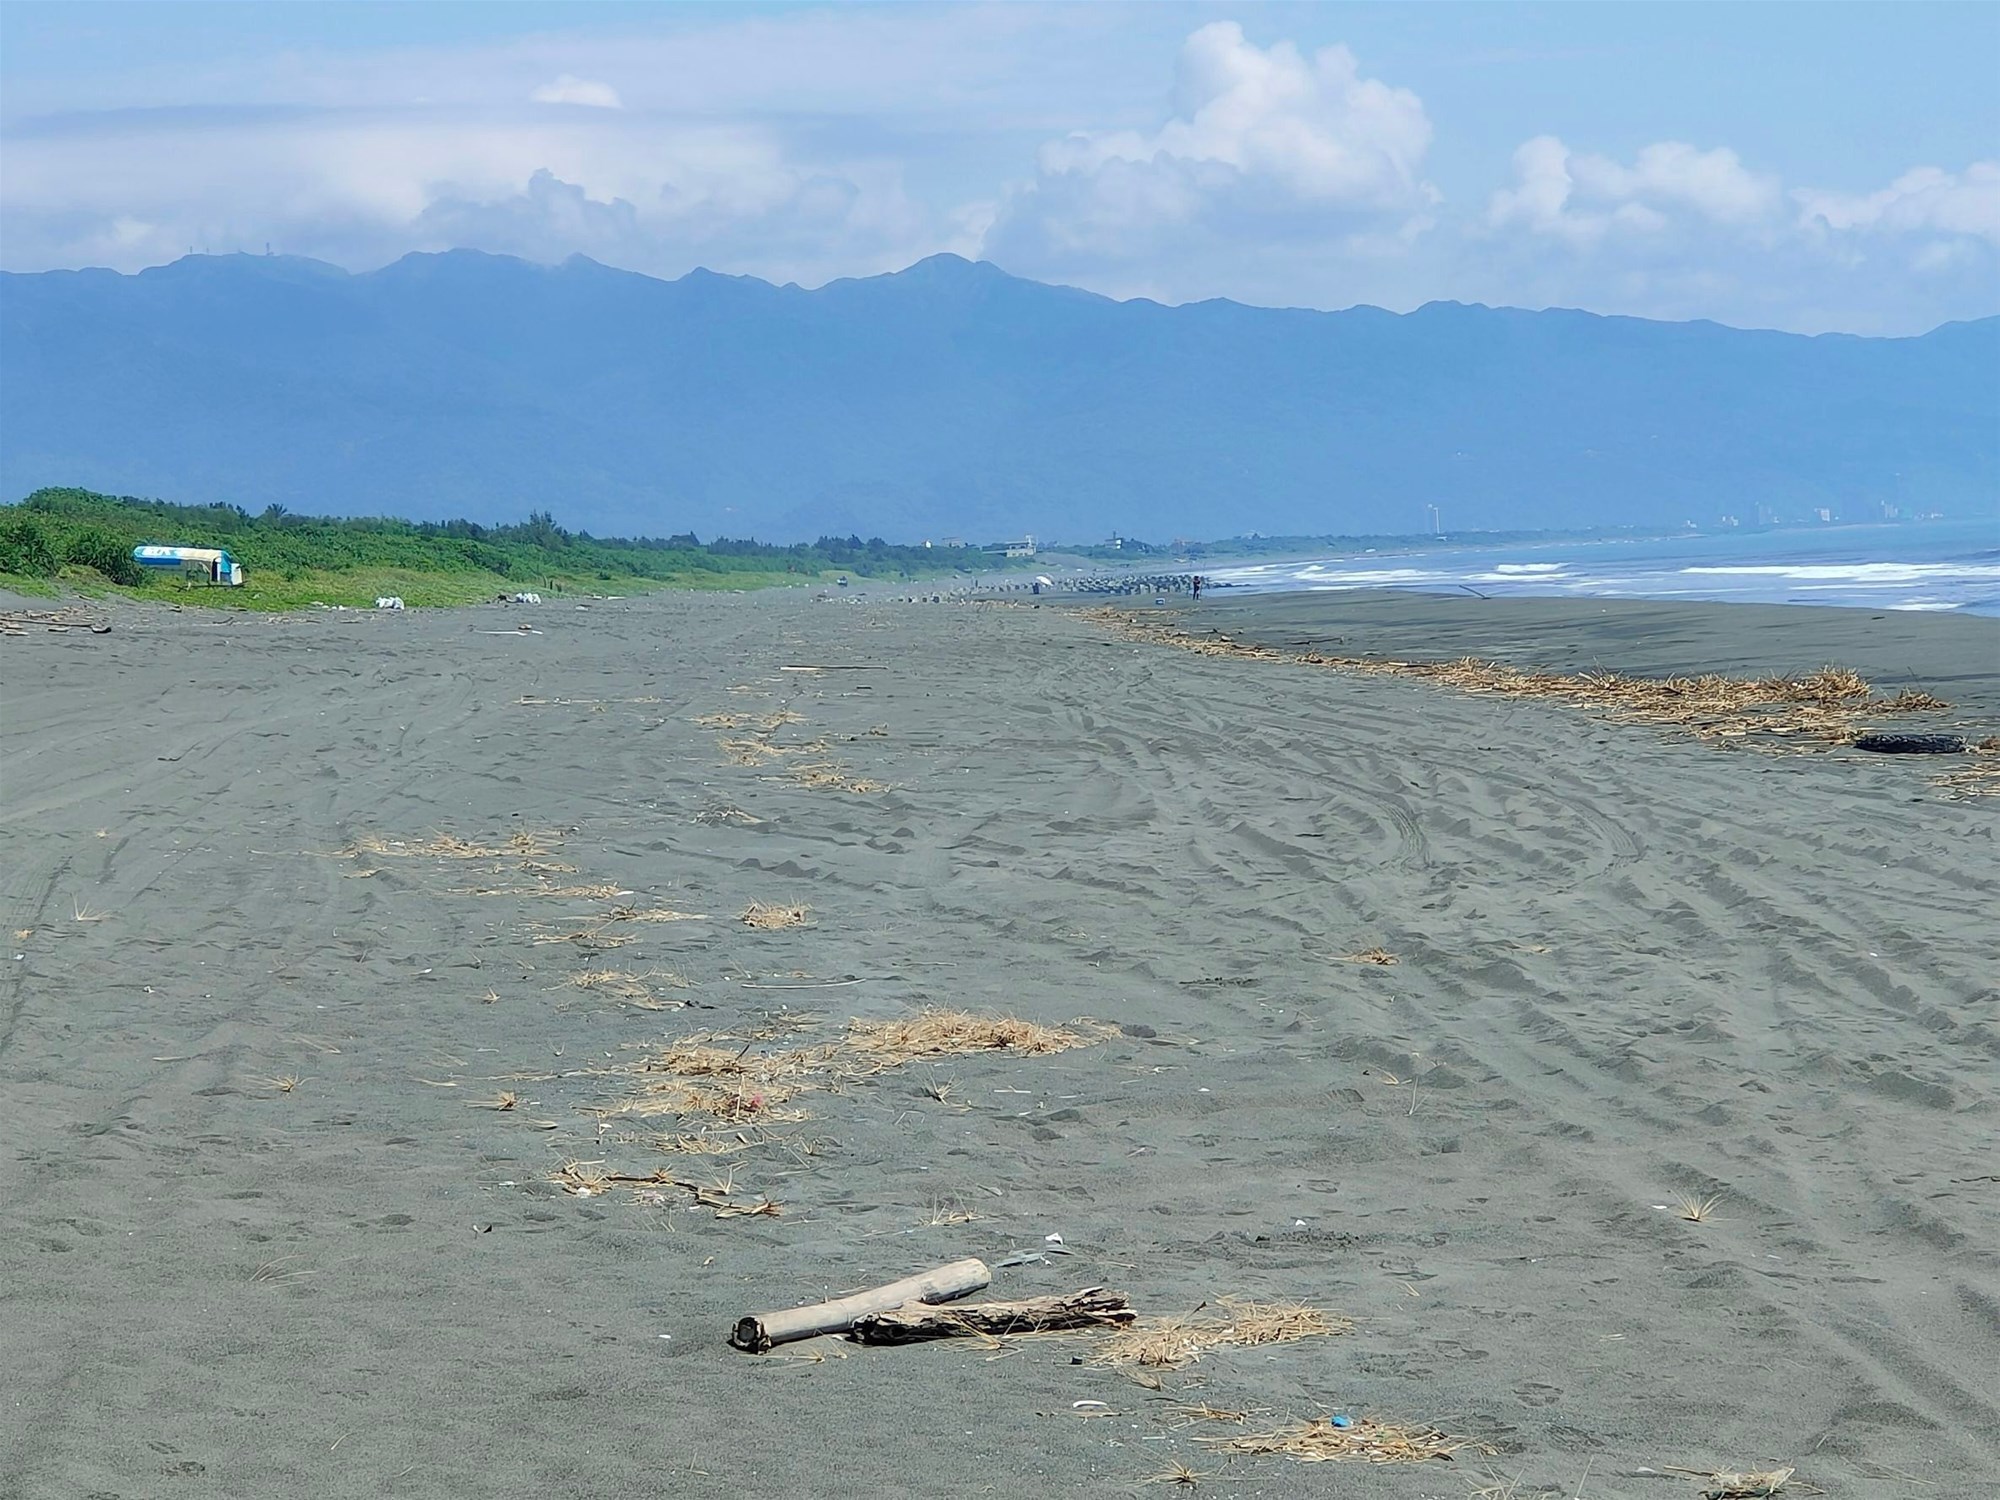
(69, 539)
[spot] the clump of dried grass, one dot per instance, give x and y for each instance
(751, 752)
(522, 845)
(1321, 1439)
(693, 1077)
(765, 723)
(565, 892)
(1170, 1343)
(636, 989)
(1755, 1484)
(830, 776)
(589, 1179)
(1980, 779)
(587, 937)
(1696, 1208)
(703, 1143)
(652, 914)
(1910, 701)
(744, 1103)
(712, 815)
(767, 918)
(958, 1033)
(732, 1090)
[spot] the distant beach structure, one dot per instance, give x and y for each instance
(211, 565)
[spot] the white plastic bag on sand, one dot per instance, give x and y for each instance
(527, 598)
(389, 601)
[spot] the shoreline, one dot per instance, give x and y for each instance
(301, 899)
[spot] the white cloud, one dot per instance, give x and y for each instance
(362, 187)
(1262, 143)
(1923, 201)
(570, 89)
(1582, 199)
(1064, 142)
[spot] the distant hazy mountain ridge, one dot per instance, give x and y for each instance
(951, 400)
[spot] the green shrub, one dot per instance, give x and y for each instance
(25, 549)
(91, 548)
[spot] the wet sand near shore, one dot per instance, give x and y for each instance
(272, 1230)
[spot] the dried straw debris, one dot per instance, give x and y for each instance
(522, 845)
(1979, 779)
(1171, 1343)
(832, 776)
(766, 918)
(1323, 1439)
(714, 815)
(590, 1179)
(1755, 1484)
(713, 1075)
(935, 1032)
(766, 723)
(1820, 706)
(604, 892)
(652, 914)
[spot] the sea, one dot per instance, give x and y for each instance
(1922, 565)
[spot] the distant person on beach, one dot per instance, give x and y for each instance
(1197, 588)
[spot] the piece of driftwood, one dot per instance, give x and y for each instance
(1094, 1307)
(762, 1331)
(1911, 744)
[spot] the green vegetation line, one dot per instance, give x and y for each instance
(83, 540)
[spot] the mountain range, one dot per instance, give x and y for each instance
(951, 399)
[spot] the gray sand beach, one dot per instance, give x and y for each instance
(272, 1229)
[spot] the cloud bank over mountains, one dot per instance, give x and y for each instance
(812, 145)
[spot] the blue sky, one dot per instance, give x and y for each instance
(1802, 166)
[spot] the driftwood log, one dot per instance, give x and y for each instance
(761, 1331)
(1094, 1307)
